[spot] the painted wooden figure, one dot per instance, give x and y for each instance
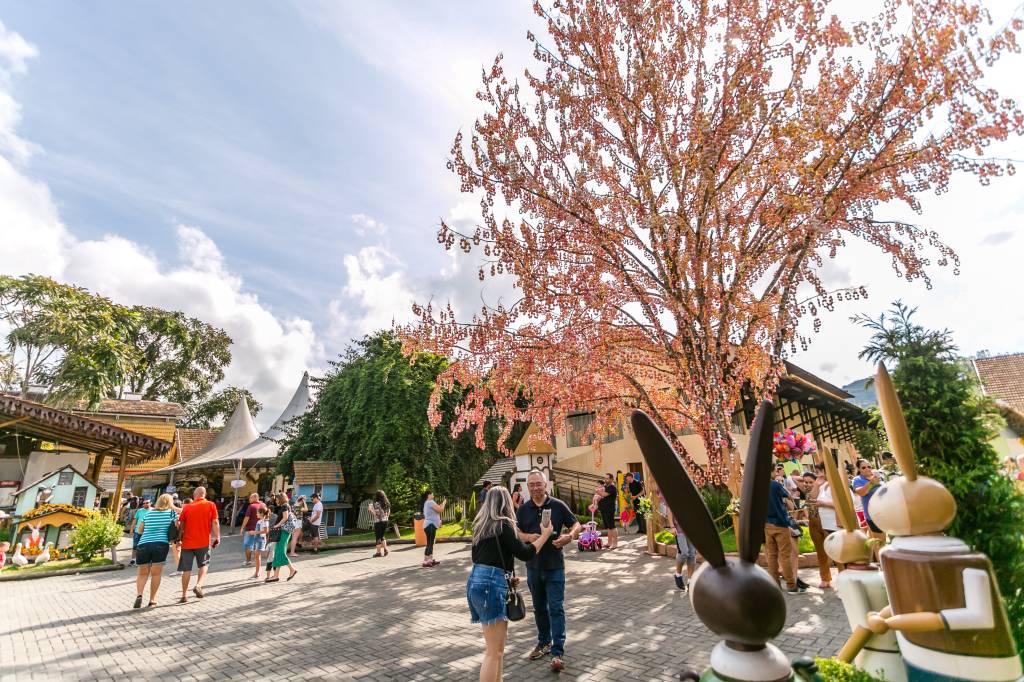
(861, 588)
(737, 599)
(945, 604)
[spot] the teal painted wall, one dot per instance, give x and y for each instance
(62, 494)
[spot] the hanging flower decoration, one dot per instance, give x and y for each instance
(791, 445)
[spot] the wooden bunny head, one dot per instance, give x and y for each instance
(735, 598)
(910, 504)
(848, 545)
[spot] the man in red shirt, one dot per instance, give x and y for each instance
(251, 517)
(198, 521)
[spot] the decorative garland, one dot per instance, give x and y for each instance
(51, 508)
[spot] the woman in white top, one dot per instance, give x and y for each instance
(431, 522)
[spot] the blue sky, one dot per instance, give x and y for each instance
(279, 170)
(256, 121)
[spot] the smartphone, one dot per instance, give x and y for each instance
(545, 517)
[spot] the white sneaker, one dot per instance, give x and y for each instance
(246, 563)
(176, 573)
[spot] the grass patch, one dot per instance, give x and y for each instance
(57, 566)
(729, 541)
(446, 531)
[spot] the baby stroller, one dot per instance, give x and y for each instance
(590, 539)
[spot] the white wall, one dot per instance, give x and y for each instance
(41, 463)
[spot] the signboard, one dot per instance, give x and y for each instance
(171, 489)
(10, 484)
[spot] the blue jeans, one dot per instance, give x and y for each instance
(547, 588)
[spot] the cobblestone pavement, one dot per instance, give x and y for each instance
(347, 616)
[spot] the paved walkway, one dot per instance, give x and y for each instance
(347, 616)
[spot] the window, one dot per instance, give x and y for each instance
(576, 426)
(318, 489)
(78, 499)
(330, 518)
(66, 478)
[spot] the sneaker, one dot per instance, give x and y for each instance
(557, 665)
(679, 582)
(801, 584)
(796, 590)
(539, 651)
(246, 563)
(132, 562)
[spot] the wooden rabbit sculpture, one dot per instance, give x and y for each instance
(737, 599)
(945, 604)
(861, 587)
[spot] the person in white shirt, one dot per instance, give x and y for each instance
(315, 519)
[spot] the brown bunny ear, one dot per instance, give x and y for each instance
(840, 495)
(895, 425)
(678, 489)
(757, 473)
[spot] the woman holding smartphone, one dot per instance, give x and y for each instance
(496, 545)
(431, 522)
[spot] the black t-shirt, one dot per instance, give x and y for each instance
(635, 488)
(278, 510)
(486, 550)
(607, 503)
(528, 519)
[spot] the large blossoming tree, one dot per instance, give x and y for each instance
(665, 187)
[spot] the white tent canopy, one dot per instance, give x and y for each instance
(239, 443)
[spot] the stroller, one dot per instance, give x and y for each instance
(590, 538)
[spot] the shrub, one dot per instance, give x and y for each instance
(717, 500)
(836, 671)
(403, 492)
(665, 537)
(94, 535)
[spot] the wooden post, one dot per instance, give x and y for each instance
(234, 505)
(115, 503)
(652, 494)
(97, 468)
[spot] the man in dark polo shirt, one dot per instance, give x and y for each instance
(545, 573)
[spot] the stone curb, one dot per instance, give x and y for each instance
(362, 544)
(64, 571)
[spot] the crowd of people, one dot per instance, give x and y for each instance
(804, 499)
(190, 530)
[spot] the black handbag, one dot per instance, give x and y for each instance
(515, 609)
(173, 533)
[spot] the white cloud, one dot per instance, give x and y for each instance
(367, 226)
(270, 352)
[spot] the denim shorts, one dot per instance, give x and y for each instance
(487, 593)
(254, 543)
(686, 548)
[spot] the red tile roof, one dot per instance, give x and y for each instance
(193, 441)
(145, 408)
(1003, 378)
(317, 472)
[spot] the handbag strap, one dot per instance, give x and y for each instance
(497, 539)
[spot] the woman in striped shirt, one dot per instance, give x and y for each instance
(152, 548)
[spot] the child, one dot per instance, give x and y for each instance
(598, 494)
(4, 546)
(261, 532)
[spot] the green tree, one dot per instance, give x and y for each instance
(218, 407)
(950, 427)
(178, 358)
(78, 345)
(371, 412)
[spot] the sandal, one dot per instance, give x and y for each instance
(824, 586)
(183, 600)
(377, 555)
(152, 603)
(198, 591)
(138, 602)
(293, 574)
(273, 580)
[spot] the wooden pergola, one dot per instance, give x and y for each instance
(46, 423)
